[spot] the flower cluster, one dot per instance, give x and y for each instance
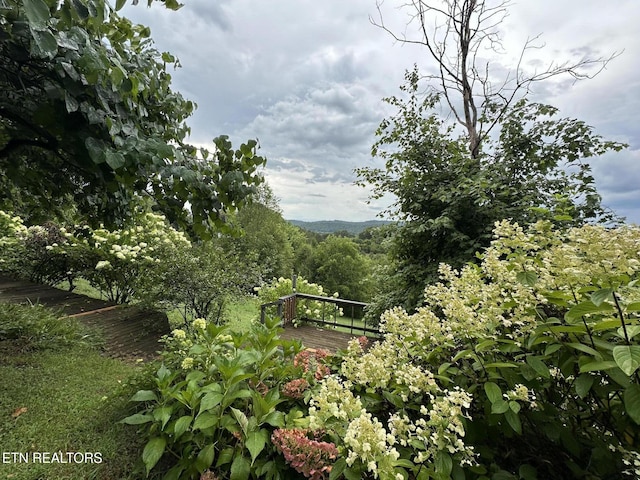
(308, 456)
(521, 393)
(369, 442)
(312, 361)
(295, 388)
(333, 402)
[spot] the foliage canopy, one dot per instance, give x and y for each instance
(448, 200)
(87, 114)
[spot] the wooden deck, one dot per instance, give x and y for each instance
(312, 336)
(129, 332)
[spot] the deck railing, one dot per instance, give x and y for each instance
(337, 313)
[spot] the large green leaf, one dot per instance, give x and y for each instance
(255, 443)
(210, 400)
(114, 159)
(205, 457)
(583, 384)
(45, 44)
(527, 278)
(627, 357)
(632, 402)
(182, 425)
(538, 365)
(585, 308)
(596, 366)
(601, 295)
(443, 464)
(493, 392)
(632, 331)
(37, 13)
(240, 468)
(153, 451)
(205, 420)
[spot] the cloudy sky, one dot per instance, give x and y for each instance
(306, 78)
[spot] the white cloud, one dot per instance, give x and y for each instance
(307, 79)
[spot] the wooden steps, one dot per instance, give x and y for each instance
(128, 331)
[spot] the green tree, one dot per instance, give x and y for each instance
(448, 200)
(502, 156)
(87, 114)
(266, 238)
(340, 267)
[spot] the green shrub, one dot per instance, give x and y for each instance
(216, 401)
(522, 367)
(198, 281)
(12, 233)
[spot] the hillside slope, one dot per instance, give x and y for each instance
(331, 226)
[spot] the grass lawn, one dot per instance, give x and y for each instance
(62, 400)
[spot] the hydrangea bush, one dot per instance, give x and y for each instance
(522, 367)
(123, 259)
(232, 405)
(12, 234)
(117, 262)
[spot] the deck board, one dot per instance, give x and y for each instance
(129, 332)
(312, 336)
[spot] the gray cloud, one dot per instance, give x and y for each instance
(306, 78)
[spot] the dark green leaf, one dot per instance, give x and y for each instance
(596, 366)
(205, 420)
(153, 451)
(527, 278)
(255, 443)
(182, 425)
(443, 464)
(499, 406)
(585, 308)
(120, 4)
(338, 468)
(205, 458)
(240, 468)
(527, 472)
(114, 159)
(37, 13)
(513, 419)
(583, 384)
(210, 400)
(632, 402)
(538, 365)
(493, 392)
(45, 42)
(601, 295)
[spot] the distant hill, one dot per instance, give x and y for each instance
(331, 226)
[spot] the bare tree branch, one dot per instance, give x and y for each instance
(453, 33)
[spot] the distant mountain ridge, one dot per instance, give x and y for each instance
(332, 226)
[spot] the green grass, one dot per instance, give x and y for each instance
(242, 312)
(63, 397)
(239, 313)
(82, 287)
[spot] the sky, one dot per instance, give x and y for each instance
(307, 79)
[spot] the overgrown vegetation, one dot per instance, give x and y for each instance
(511, 347)
(59, 395)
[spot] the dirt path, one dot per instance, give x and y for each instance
(129, 332)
